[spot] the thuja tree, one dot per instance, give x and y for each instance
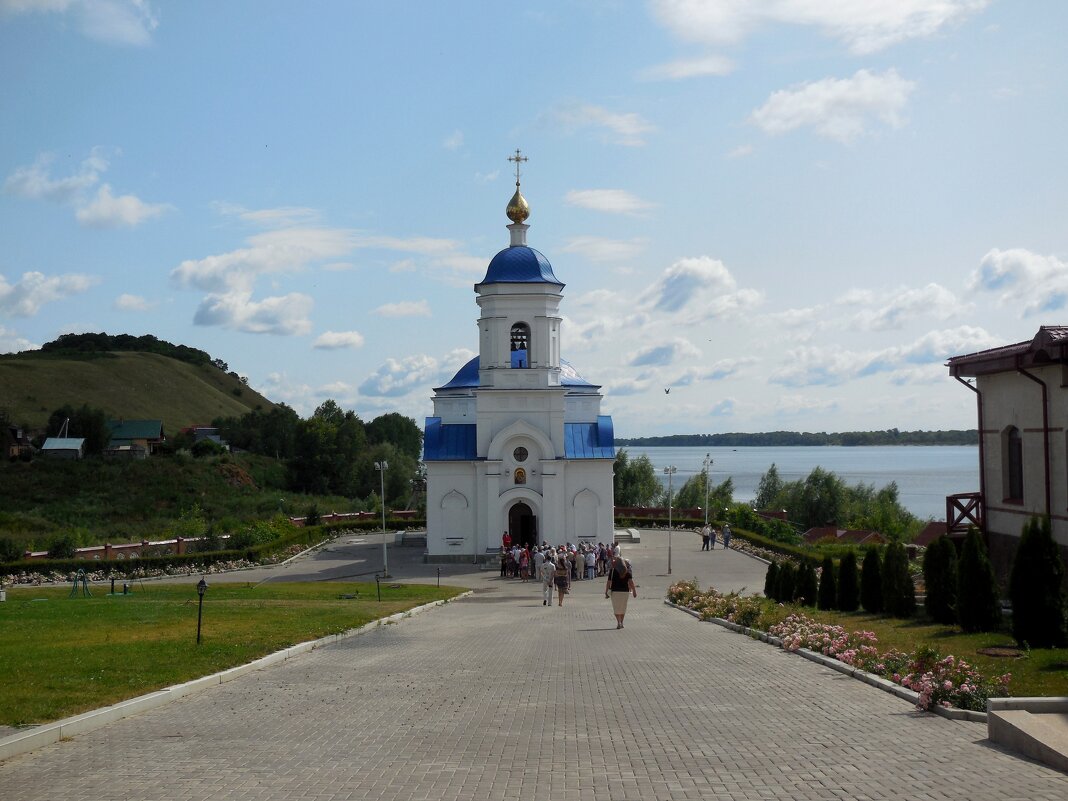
(770, 579)
(978, 608)
(940, 579)
(871, 584)
(1036, 588)
(784, 588)
(806, 590)
(848, 583)
(828, 597)
(899, 593)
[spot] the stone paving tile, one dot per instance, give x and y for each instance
(500, 697)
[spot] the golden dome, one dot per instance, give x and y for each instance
(518, 208)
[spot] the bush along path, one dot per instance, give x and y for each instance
(939, 681)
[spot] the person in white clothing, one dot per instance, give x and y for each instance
(548, 571)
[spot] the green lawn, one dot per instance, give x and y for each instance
(1041, 672)
(61, 656)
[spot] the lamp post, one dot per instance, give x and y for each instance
(708, 465)
(381, 468)
(202, 587)
(669, 472)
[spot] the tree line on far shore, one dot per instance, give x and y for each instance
(891, 436)
(820, 499)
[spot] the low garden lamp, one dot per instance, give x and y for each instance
(202, 587)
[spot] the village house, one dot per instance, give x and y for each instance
(1021, 394)
(136, 434)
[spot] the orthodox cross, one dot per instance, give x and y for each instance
(517, 158)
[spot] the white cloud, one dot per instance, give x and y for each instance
(411, 308)
(893, 309)
(665, 353)
(454, 141)
(864, 26)
(127, 22)
(740, 152)
(283, 251)
(286, 315)
(487, 177)
(399, 377)
(612, 201)
(127, 302)
(1030, 281)
(26, 297)
(104, 210)
(837, 108)
(599, 249)
(831, 366)
(797, 404)
(621, 128)
(279, 387)
(279, 217)
(335, 340)
(124, 211)
(36, 182)
(402, 266)
(689, 68)
(702, 284)
(11, 342)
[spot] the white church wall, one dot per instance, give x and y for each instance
(451, 526)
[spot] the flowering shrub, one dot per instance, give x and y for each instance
(939, 681)
(948, 681)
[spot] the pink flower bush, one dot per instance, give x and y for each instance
(939, 681)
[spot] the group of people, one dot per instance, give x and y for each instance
(556, 567)
(584, 561)
(709, 535)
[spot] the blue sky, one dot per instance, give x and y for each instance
(790, 212)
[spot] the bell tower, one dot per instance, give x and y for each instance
(519, 327)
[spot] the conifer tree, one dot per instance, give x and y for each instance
(940, 579)
(871, 584)
(899, 593)
(770, 580)
(978, 608)
(1036, 588)
(848, 589)
(785, 587)
(806, 589)
(828, 597)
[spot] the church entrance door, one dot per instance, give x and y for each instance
(523, 525)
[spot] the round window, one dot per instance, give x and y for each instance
(520, 454)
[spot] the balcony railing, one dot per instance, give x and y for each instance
(963, 511)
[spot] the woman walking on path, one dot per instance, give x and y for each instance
(562, 577)
(620, 583)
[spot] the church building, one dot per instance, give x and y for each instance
(517, 442)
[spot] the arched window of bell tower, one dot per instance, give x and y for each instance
(520, 345)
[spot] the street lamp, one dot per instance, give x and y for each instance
(669, 472)
(202, 587)
(708, 465)
(381, 468)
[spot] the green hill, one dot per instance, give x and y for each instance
(127, 384)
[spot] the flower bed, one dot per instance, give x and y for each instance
(939, 680)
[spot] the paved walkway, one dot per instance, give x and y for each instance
(499, 697)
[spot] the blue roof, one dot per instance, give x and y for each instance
(449, 442)
(467, 377)
(519, 264)
(590, 440)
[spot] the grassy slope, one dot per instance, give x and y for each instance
(131, 385)
(118, 500)
(64, 656)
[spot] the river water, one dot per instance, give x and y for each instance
(925, 475)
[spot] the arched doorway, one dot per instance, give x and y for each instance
(522, 524)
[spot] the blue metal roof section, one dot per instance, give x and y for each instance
(590, 440)
(449, 442)
(519, 264)
(467, 377)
